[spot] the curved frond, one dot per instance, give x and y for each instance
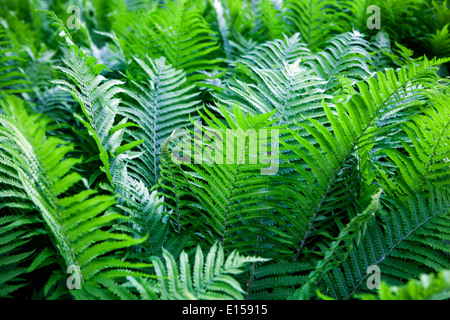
(209, 278)
(410, 240)
(75, 223)
(161, 104)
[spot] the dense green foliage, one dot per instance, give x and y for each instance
(93, 205)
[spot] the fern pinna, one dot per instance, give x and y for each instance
(224, 149)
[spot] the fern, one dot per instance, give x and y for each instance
(409, 241)
(345, 56)
(13, 253)
(75, 222)
(96, 96)
(161, 105)
(339, 249)
(233, 199)
(140, 139)
(150, 220)
(380, 50)
(355, 126)
(270, 54)
(271, 19)
(277, 280)
(409, 11)
(288, 90)
(179, 33)
(235, 21)
(312, 19)
(223, 17)
(440, 42)
(210, 278)
(427, 163)
(12, 78)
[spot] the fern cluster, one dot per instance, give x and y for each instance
(224, 149)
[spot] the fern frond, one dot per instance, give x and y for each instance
(271, 54)
(289, 90)
(345, 56)
(426, 164)
(398, 17)
(379, 107)
(339, 249)
(440, 42)
(12, 78)
(410, 240)
(271, 17)
(380, 47)
(312, 19)
(178, 32)
(74, 223)
(97, 98)
(150, 219)
(162, 104)
(209, 278)
(276, 280)
(13, 238)
(233, 193)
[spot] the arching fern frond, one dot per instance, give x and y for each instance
(381, 105)
(312, 19)
(231, 185)
(178, 32)
(290, 91)
(162, 103)
(210, 278)
(345, 56)
(337, 251)
(426, 164)
(75, 223)
(12, 78)
(410, 239)
(99, 104)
